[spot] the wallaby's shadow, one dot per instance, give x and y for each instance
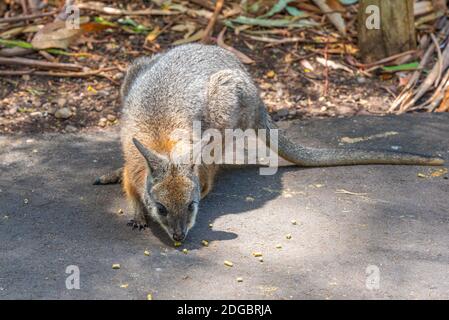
(237, 190)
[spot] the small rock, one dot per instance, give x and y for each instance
(37, 103)
(12, 110)
(111, 117)
(282, 113)
(102, 122)
(36, 114)
(70, 129)
(61, 102)
(63, 113)
(98, 108)
(361, 80)
(118, 76)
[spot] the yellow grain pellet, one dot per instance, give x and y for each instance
(185, 251)
(205, 243)
(228, 263)
(294, 222)
(146, 252)
(149, 296)
(278, 246)
(257, 254)
(239, 279)
(288, 236)
(177, 244)
(116, 266)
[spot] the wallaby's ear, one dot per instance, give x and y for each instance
(154, 160)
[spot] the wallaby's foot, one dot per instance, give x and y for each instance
(110, 178)
(136, 225)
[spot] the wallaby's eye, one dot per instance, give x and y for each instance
(161, 209)
(191, 206)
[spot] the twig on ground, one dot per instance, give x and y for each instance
(99, 7)
(204, 3)
(39, 64)
(334, 17)
(15, 52)
(212, 21)
(57, 74)
(243, 57)
(27, 17)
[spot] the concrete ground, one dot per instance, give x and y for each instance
(355, 225)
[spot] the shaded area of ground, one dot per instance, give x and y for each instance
(52, 217)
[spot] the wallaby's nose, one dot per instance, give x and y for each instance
(179, 236)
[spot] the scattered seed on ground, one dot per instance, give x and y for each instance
(228, 263)
(257, 254)
(278, 246)
(116, 266)
(146, 252)
(185, 251)
(149, 296)
(177, 244)
(205, 243)
(288, 236)
(239, 279)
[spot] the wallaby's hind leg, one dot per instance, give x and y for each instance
(112, 177)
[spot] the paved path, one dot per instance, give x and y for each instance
(389, 219)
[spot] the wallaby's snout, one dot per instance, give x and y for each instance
(179, 236)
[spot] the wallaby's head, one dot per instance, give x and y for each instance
(172, 192)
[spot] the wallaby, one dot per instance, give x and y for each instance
(203, 83)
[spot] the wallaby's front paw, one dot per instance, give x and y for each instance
(137, 225)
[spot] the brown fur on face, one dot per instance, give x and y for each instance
(174, 190)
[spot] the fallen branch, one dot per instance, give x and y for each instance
(39, 64)
(242, 57)
(26, 17)
(99, 7)
(334, 17)
(56, 74)
(204, 3)
(15, 52)
(212, 21)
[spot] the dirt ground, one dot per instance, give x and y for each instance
(290, 88)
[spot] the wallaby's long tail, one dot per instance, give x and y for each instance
(312, 157)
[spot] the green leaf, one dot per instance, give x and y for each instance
(402, 67)
(295, 12)
(273, 22)
(16, 43)
(105, 22)
(278, 7)
(348, 2)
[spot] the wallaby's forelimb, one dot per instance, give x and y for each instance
(112, 177)
(312, 157)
